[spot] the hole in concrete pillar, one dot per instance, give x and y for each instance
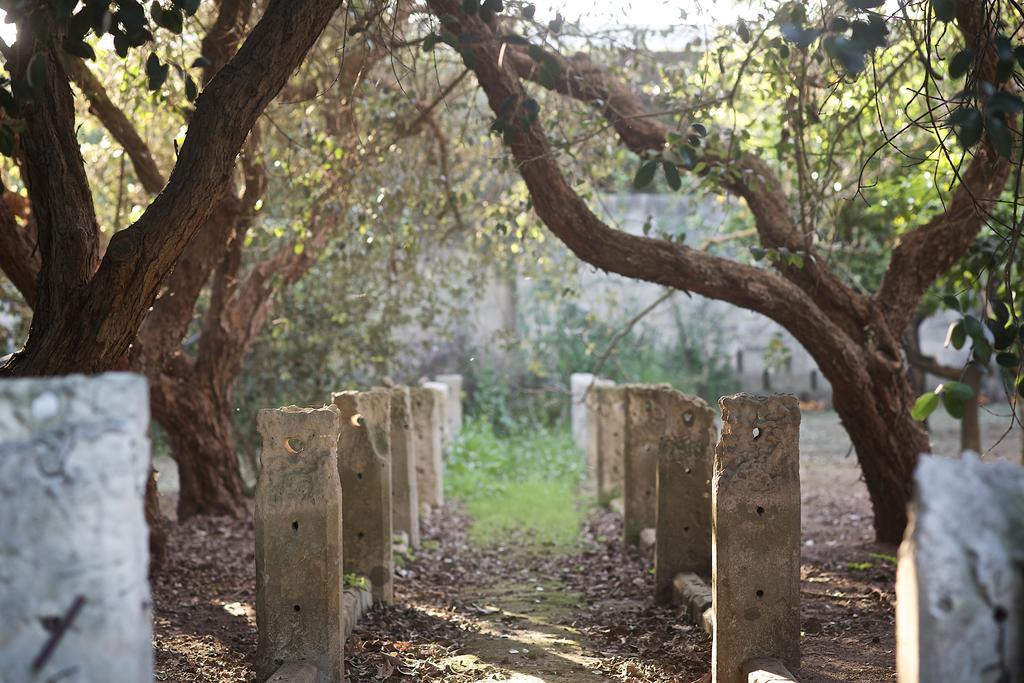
(358, 420)
(360, 534)
(756, 433)
(294, 445)
(295, 525)
(296, 608)
(359, 475)
(946, 603)
(686, 528)
(760, 593)
(688, 418)
(760, 510)
(1001, 614)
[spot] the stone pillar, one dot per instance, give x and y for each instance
(592, 407)
(405, 505)
(579, 385)
(299, 577)
(364, 463)
(74, 595)
(686, 456)
(444, 393)
(610, 409)
(647, 420)
(960, 580)
(756, 534)
(426, 429)
(454, 383)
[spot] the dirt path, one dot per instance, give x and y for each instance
(470, 614)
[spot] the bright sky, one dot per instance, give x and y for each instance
(647, 13)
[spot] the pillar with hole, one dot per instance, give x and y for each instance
(651, 416)
(405, 505)
(427, 429)
(364, 463)
(756, 535)
(298, 518)
(686, 455)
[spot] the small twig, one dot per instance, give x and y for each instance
(57, 634)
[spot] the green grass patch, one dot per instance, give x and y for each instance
(527, 481)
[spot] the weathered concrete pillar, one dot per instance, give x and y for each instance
(405, 504)
(454, 383)
(591, 425)
(426, 429)
(299, 574)
(686, 456)
(74, 597)
(610, 408)
(444, 392)
(647, 421)
(364, 463)
(579, 385)
(756, 535)
(960, 580)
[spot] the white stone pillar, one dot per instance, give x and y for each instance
(454, 383)
(579, 383)
(74, 550)
(960, 579)
(443, 392)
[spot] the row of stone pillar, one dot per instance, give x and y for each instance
(336, 485)
(729, 514)
(732, 511)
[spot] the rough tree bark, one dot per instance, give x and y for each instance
(89, 310)
(854, 337)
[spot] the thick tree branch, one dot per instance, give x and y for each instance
(19, 257)
(98, 332)
(54, 173)
(571, 220)
(750, 178)
(122, 129)
(927, 252)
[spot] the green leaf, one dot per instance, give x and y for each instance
(924, 406)
(958, 390)
(430, 41)
(982, 352)
(191, 90)
(78, 48)
(1008, 360)
(1000, 137)
(956, 335)
(743, 31)
(645, 175)
(954, 406)
(961, 62)
(156, 72)
(758, 253)
(951, 302)
(969, 126)
(672, 175)
(189, 7)
(972, 326)
(945, 10)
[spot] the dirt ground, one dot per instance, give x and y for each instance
(465, 613)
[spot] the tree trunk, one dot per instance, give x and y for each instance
(887, 441)
(197, 421)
